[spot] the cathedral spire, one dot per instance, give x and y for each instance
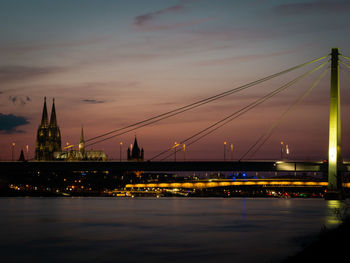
(53, 121)
(134, 152)
(82, 134)
(44, 119)
(82, 141)
(136, 146)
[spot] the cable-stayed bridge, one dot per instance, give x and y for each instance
(334, 166)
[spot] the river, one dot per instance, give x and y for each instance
(160, 229)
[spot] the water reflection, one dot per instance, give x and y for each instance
(160, 230)
(337, 211)
(244, 209)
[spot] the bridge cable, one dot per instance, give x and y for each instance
(268, 132)
(182, 109)
(344, 56)
(229, 120)
(345, 72)
(238, 113)
(346, 65)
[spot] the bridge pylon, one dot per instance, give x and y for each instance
(335, 160)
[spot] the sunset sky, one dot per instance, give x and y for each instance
(109, 64)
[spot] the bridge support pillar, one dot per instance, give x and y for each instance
(334, 190)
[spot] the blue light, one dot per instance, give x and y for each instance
(244, 174)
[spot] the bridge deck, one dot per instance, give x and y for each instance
(270, 166)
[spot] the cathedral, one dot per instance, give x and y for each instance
(48, 138)
(48, 142)
(134, 152)
(81, 154)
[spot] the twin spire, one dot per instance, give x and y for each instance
(48, 139)
(44, 118)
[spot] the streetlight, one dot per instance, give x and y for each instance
(184, 148)
(175, 145)
(281, 150)
(287, 150)
(225, 150)
(13, 149)
(231, 151)
(120, 153)
(27, 150)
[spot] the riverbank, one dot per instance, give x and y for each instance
(331, 246)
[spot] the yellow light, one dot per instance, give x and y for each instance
(68, 146)
(175, 145)
(332, 154)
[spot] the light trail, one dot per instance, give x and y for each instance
(254, 182)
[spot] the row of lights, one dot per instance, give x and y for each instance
(283, 149)
(176, 144)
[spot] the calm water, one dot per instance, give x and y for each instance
(156, 230)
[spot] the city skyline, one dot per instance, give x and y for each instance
(112, 63)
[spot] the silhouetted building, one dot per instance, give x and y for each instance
(81, 154)
(48, 138)
(134, 152)
(21, 157)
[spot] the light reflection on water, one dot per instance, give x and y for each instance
(164, 229)
(336, 212)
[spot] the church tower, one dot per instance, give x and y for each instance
(134, 152)
(42, 145)
(54, 133)
(48, 138)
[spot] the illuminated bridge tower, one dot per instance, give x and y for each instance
(334, 149)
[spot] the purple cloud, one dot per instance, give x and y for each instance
(9, 122)
(145, 18)
(20, 99)
(319, 6)
(93, 101)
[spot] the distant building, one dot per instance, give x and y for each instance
(81, 154)
(21, 157)
(48, 138)
(134, 152)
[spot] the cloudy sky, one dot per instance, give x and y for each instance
(109, 64)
